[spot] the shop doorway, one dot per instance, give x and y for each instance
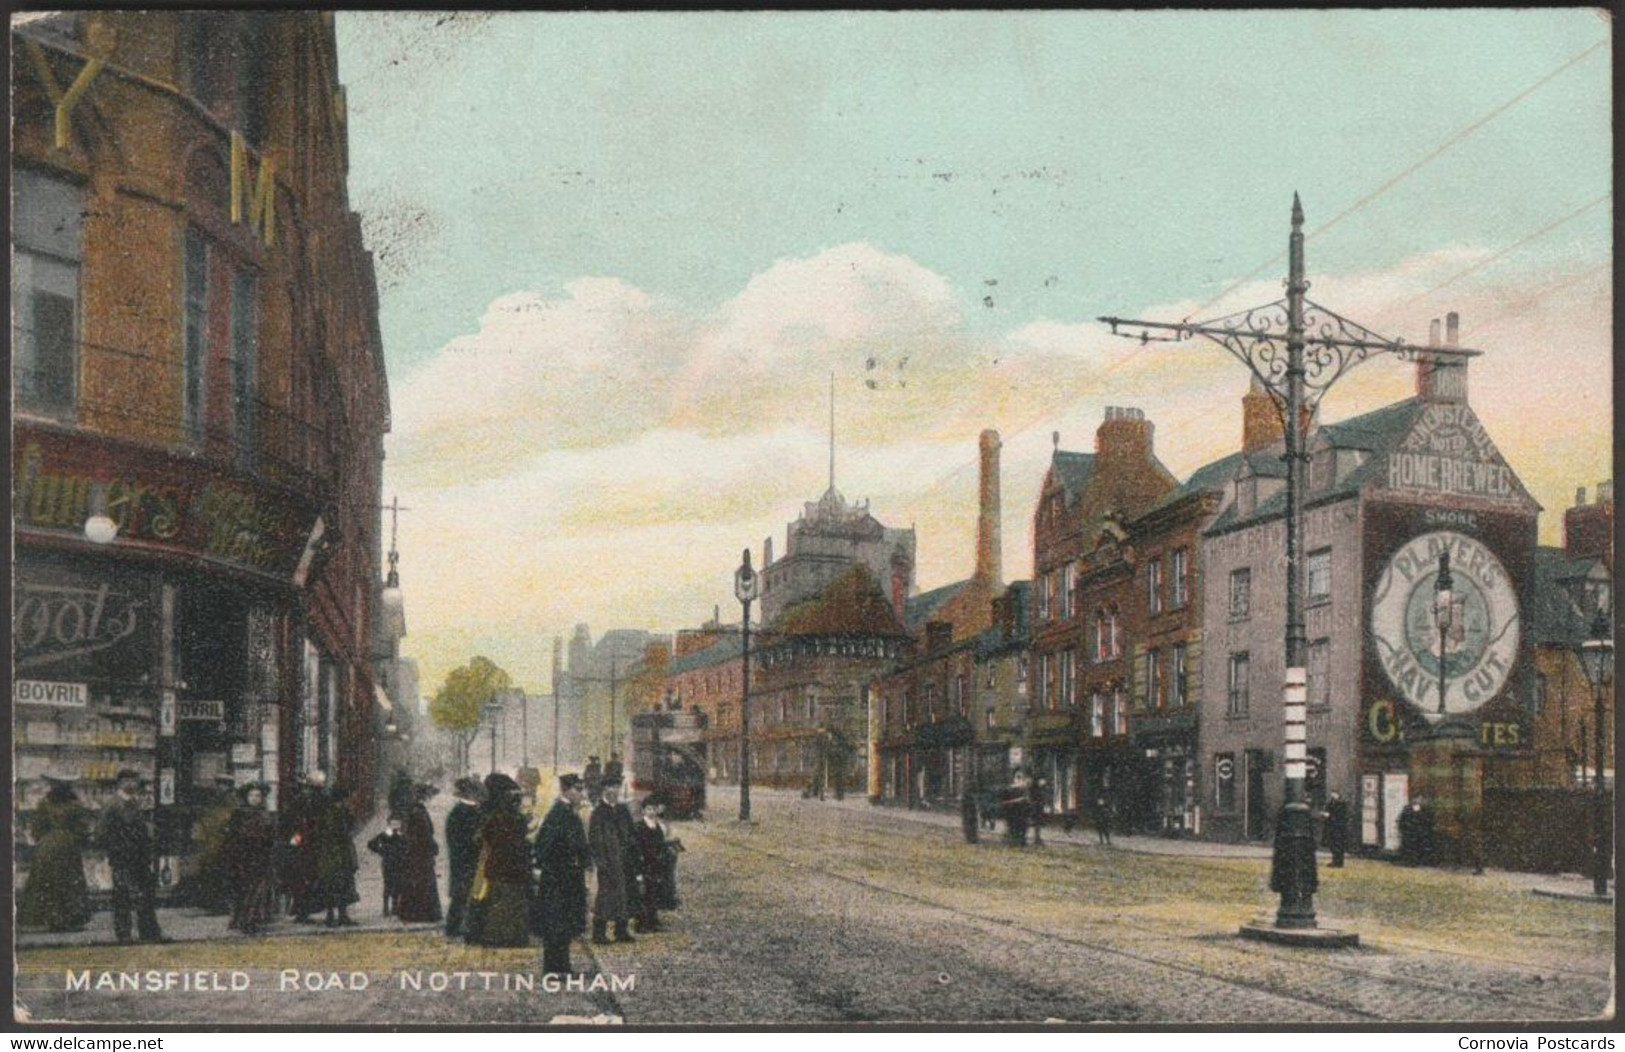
(1256, 801)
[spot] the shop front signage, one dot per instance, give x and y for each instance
(194, 709)
(41, 692)
(158, 503)
(166, 714)
(1448, 454)
(63, 620)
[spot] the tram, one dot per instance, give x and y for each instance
(668, 759)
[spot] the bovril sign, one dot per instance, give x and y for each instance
(42, 692)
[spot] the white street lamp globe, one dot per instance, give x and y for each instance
(99, 529)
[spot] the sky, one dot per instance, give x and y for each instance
(620, 256)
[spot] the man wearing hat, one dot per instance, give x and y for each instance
(128, 841)
(462, 850)
(610, 836)
(562, 856)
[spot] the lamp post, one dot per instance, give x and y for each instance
(1597, 655)
(1297, 350)
(747, 586)
(1444, 613)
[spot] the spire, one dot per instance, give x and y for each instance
(1297, 210)
(832, 431)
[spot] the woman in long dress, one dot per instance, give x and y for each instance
(55, 897)
(502, 885)
(250, 853)
(420, 893)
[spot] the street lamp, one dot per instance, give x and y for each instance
(747, 586)
(1297, 350)
(1597, 655)
(99, 527)
(1444, 611)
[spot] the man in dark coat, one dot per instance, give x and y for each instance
(336, 861)
(128, 841)
(610, 835)
(1337, 828)
(462, 850)
(968, 816)
(390, 847)
(1038, 797)
(1014, 806)
(562, 857)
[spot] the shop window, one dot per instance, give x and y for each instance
(47, 244)
(1241, 593)
(1224, 782)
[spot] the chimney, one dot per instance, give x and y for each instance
(1124, 437)
(1588, 529)
(767, 551)
(987, 522)
(899, 585)
(1442, 377)
(1261, 425)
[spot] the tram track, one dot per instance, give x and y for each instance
(1518, 1005)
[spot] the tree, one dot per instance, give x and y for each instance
(459, 705)
(646, 687)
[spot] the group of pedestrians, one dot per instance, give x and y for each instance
(506, 887)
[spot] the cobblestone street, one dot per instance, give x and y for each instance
(821, 912)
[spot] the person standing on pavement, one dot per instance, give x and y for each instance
(298, 862)
(127, 839)
(336, 861)
(502, 884)
(1038, 800)
(250, 854)
(1103, 820)
(462, 851)
(562, 858)
(212, 888)
(419, 900)
(609, 832)
(55, 897)
(1337, 828)
(651, 853)
(390, 847)
(968, 816)
(1014, 804)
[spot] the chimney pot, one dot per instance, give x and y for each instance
(1433, 333)
(1605, 492)
(1452, 328)
(1580, 497)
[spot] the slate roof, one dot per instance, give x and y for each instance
(726, 648)
(1557, 619)
(1074, 470)
(919, 609)
(1376, 432)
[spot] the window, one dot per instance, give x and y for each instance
(1041, 696)
(47, 234)
(1319, 674)
(1320, 576)
(1224, 781)
(1119, 713)
(1043, 597)
(990, 718)
(1115, 623)
(194, 365)
(1241, 593)
(1177, 681)
(1237, 698)
(1021, 674)
(245, 362)
(1069, 584)
(1179, 582)
(1108, 635)
(1153, 680)
(1068, 682)
(961, 706)
(1097, 716)
(1153, 586)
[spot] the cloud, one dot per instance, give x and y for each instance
(599, 453)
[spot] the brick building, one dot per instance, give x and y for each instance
(200, 405)
(1086, 609)
(1387, 493)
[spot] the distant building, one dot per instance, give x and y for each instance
(596, 686)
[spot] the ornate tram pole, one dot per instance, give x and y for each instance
(1297, 349)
